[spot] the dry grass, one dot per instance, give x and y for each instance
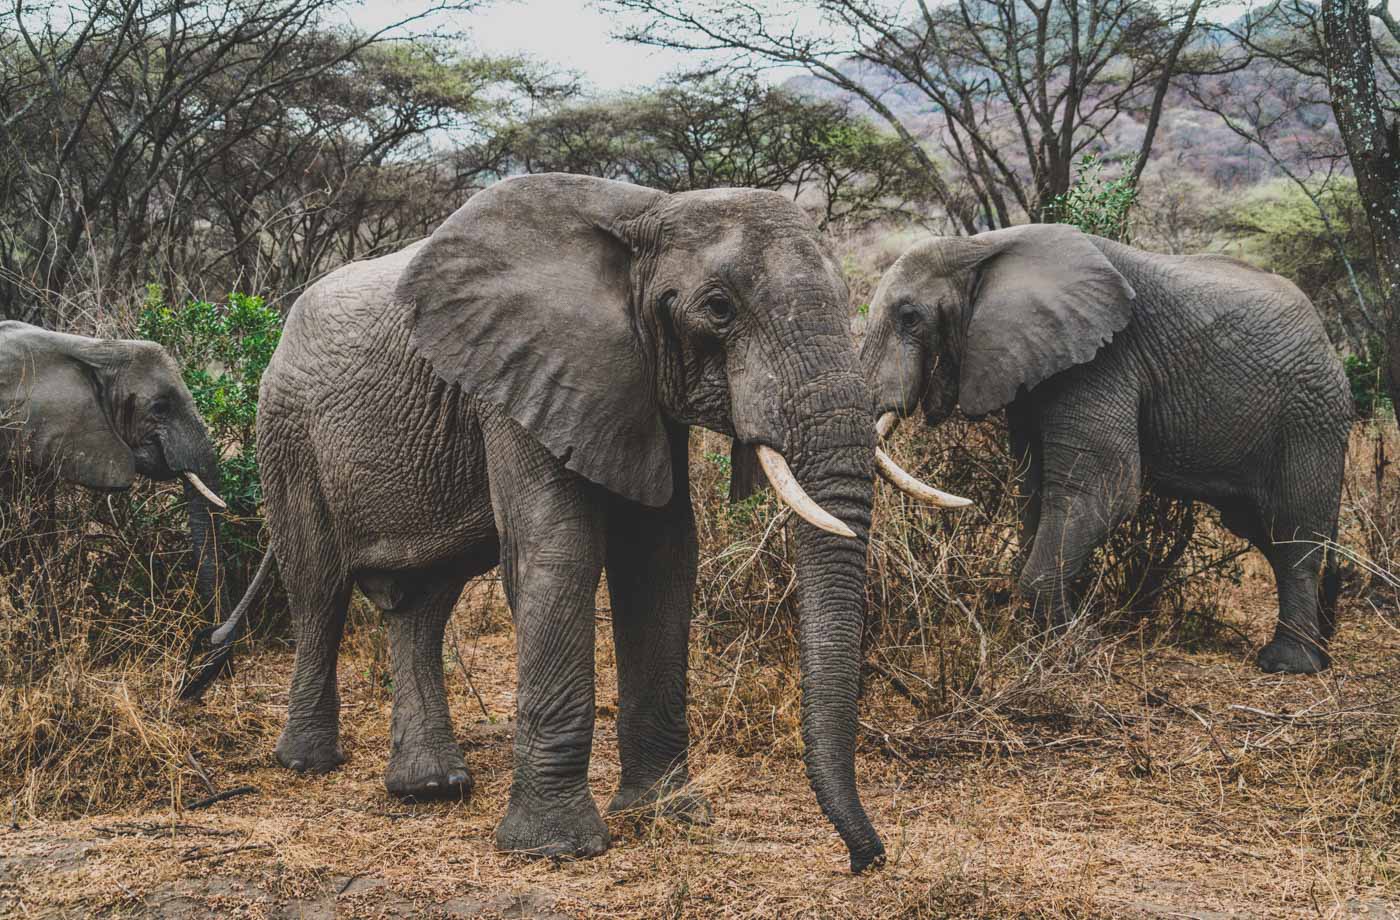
(1153, 773)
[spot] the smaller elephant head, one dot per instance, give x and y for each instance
(97, 412)
(971, 321)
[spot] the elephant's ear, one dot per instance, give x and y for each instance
(1044, 299)
(50, 385)
(524, 298)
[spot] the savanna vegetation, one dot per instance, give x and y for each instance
(180, 170)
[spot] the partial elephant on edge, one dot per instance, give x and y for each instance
(519, 388)
(1202, 376)
(99, 412)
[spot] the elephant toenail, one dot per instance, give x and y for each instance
(457, 779)
(298, 765)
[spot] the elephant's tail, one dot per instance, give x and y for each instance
(1331, 589)
(211, 651)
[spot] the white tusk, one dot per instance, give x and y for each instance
(204, 490)
(901, 479)
(909, 485)
(794, 496)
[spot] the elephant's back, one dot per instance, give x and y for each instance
(1235, 362)
(1266, 324)
(394, 448)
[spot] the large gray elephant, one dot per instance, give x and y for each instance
(519, 388)
(1202, 376)
(100, 412)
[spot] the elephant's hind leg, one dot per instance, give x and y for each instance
(1298, 646)
(651, 579)
(425, 760)
(310, 741)
(1298, 517)
(552, 528)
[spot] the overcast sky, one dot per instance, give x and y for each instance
(570, 33)
(574, 34)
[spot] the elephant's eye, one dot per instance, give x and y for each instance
(910, 318)
(720, 309)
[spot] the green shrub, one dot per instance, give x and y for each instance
(222, 350)
(1094, 204)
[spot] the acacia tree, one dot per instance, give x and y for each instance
(729, 132)
(1012, 92)
(165, 139)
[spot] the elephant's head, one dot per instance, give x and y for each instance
(600, 315)
(973, 321)
(98, 412)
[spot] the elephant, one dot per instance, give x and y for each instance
(99, 412)
(518, 388)
(1200, 377)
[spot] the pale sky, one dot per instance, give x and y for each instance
(576, 35)
(570, 33)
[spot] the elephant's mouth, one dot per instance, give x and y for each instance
(153, 461)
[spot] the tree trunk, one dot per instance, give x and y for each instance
(1374, 149)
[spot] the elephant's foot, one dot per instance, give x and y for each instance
(569, 829)
(1291, 656)
(663, 800)
(424, 773)
(304, 753)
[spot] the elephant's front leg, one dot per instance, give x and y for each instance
(1091, 479)
(651, 579)
(551, 525)
(1027, 464)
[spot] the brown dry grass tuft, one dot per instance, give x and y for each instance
(1153, 772)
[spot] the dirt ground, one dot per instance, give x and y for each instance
(1177, 784)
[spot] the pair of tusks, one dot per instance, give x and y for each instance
(204, 490)
(796, 497)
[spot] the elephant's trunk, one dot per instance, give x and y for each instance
(832, 456)
(191, 451)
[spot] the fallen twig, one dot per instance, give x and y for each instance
(221, 796)
(208, 783)
(922, 704)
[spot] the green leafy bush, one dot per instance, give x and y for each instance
(222, 350)
(1095, 204)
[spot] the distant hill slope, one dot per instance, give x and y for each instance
(1305, 139)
